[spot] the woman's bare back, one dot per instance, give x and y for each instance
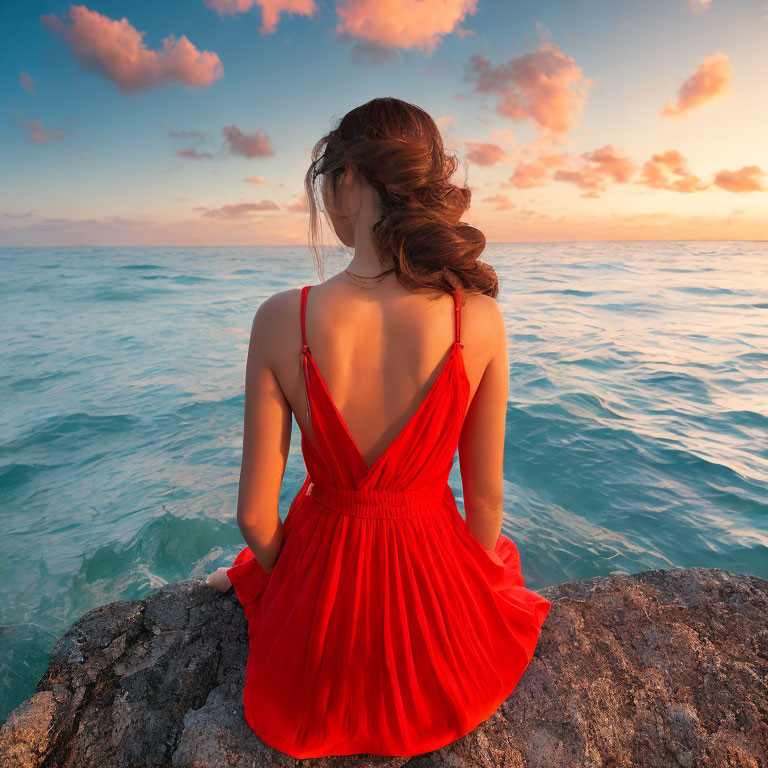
(379, 350)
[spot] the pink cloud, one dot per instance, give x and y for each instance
(385, 24)
(485, 153)
(586, 178)
(746, 179)
(694, 6)
(40, 135)
(710, 81)
(198, 143)
(247, 145)
(532, 174)
(234, 141)
(545, 86)
(256, 180)
(610, 163)
(298, 204)
(116, 50)
(188, 135)
(239, 210)
(26, 82)
(193, 154)
(660, 170)
(270, 10)
(500, 202)
(594, 170)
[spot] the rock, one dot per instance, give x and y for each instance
(656, 669)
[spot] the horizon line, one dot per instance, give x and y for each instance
(490, 242)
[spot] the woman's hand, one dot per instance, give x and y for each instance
(219, 580)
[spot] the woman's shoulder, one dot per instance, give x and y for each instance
(277, 306)
(481, 303)
(481, 310)
(483, 330)
(275, 321)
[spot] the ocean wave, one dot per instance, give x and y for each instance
(73, 429)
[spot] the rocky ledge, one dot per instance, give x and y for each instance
(656, 669)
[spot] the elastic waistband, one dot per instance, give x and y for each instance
(373, 503)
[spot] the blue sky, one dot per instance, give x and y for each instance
(587, 155)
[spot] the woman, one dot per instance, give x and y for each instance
(379, 621)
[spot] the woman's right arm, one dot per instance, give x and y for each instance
(266, 434)
(481, 445)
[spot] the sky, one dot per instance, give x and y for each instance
(191, 123)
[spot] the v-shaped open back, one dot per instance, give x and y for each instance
(384, 627)
(332, 443)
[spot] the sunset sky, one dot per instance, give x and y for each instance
(191, 123)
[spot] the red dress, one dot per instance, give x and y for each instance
(385, 627)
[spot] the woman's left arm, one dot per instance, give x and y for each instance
(266, 440)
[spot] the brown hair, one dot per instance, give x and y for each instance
(398, 148)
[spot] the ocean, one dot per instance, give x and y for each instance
(637, 422)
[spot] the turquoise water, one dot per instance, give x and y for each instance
(637, 424)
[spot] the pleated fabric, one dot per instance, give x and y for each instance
(384, 627)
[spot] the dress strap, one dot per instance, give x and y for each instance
(304, 354)
(304, 292)
(457, 314)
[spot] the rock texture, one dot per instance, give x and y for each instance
(657, 669)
